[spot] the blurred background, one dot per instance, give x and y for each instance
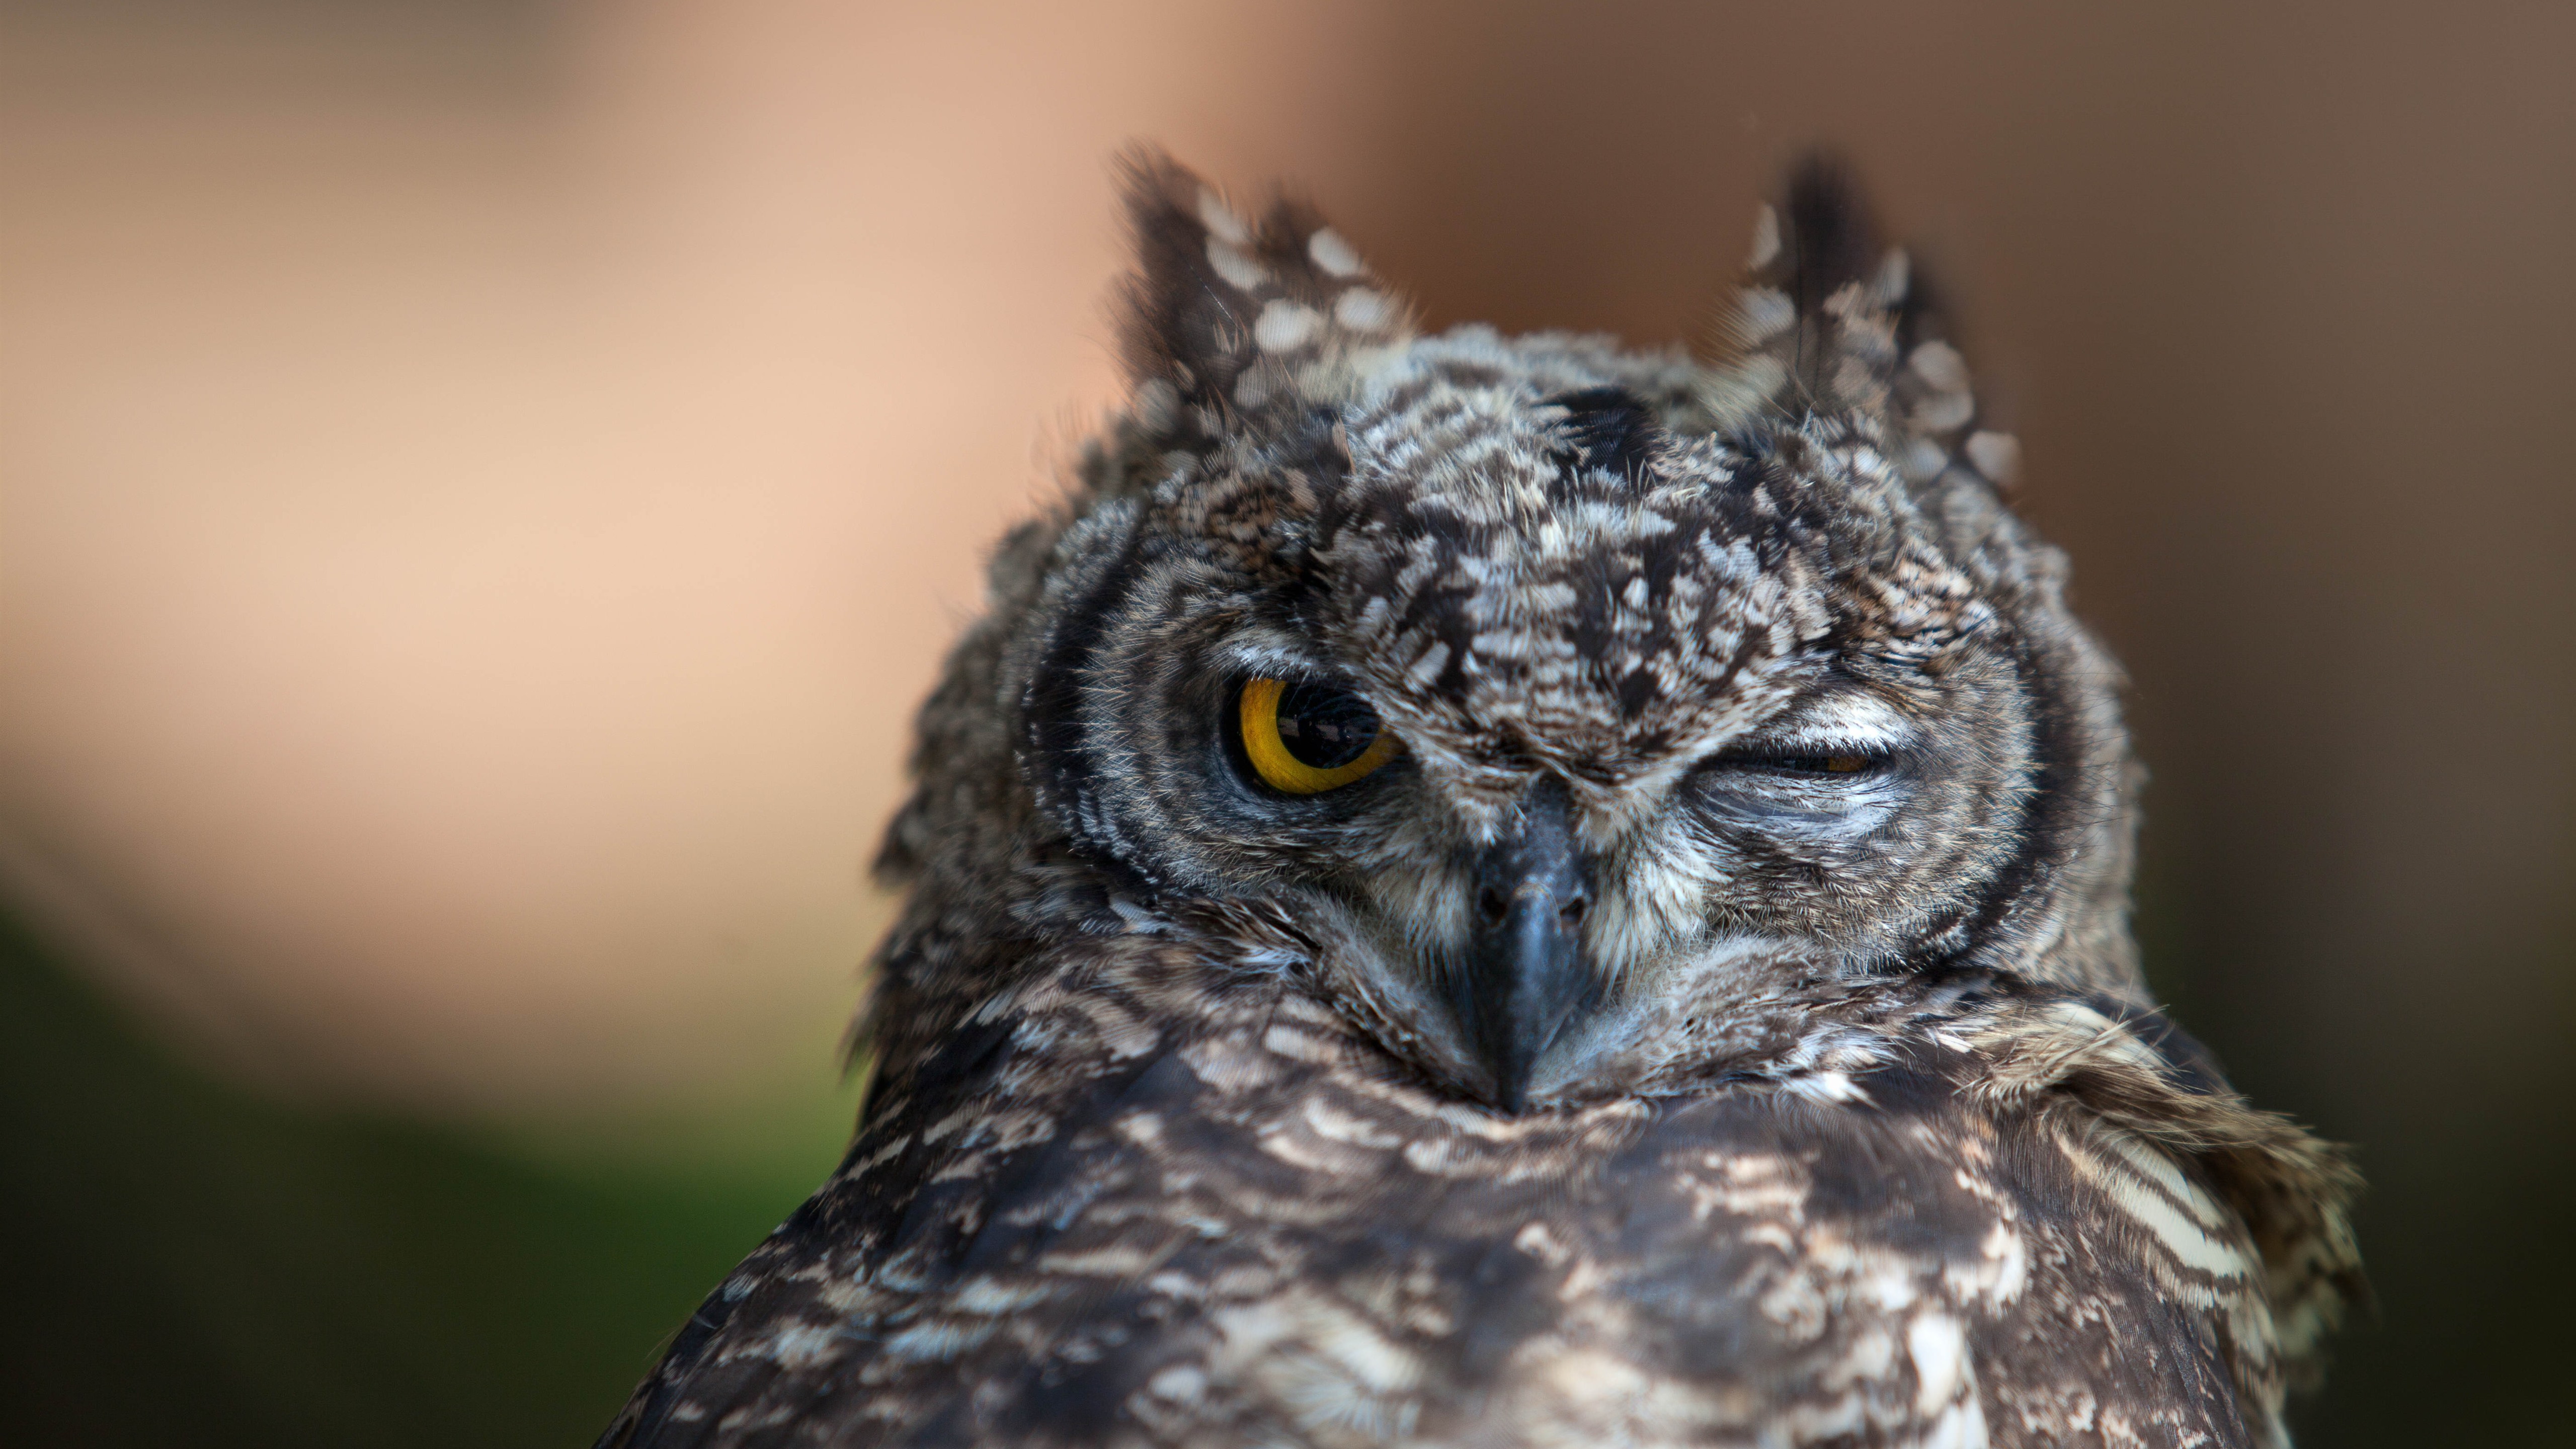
(484, 482)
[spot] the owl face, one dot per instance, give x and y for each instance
(1541, 702)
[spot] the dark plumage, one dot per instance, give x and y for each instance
(1711, 1018)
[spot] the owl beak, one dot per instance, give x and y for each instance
(1526, 980)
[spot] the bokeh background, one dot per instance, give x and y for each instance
(483, 482)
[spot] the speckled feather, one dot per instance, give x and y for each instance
(1876, 1137)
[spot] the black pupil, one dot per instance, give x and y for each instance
(1325, 728)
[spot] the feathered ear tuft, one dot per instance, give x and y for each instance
(1226, 319)
(1826, 240)
(1826, 322)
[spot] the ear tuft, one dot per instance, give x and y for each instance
(1228, 319)
(1827, 322)
(1829, 242)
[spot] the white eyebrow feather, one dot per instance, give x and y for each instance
(1847, 718)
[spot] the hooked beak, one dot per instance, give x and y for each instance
(1525, 979)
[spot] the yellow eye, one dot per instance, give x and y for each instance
(1304, 739)
(1845, 764)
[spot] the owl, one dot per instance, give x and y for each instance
(1511, 891)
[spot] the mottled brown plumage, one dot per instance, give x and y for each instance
(1718, 1024)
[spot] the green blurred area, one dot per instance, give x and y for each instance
(187, 1263)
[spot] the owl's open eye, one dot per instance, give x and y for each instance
(1304, 739)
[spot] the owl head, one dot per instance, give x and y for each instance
(1551, 709)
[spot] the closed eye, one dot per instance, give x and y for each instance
(1846, 764)
(1842, 787)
